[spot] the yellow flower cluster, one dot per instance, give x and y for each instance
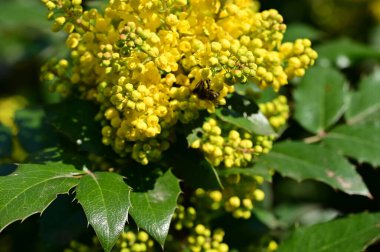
(232, 149)
(298, 55)
(277, 111)
(237, 198)
(203, 240)
(150, 64)
(184, 217)
(131, 241)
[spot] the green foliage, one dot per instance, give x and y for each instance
(190, 166)
(334, 132)
(246, 115)
(338, 235)
(152, 209)
(296, 30)
(303, 161)
(31, 188)
(364, 104)
(105, 199)
(344, 49)
(361, 142)
(321, 99)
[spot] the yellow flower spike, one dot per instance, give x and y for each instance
(148, 52)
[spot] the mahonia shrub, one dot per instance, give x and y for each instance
(165, 82)
(150, 65)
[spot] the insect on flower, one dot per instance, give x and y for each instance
(204, 92)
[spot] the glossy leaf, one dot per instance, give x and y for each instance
(245, 114)
(320, 99)
(361, 142)
(350, 234)
(365, 104)
(31, 188)
(152, 209)
(105, 198)
(307, 214)
(299, 30)
(302, 161)
(190, 166)
(345, 48)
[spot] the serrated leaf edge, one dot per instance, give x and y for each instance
(41, 212)
(299, 179)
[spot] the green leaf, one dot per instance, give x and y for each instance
(23, 30)
(58, 154)
(290, 215)
(22, 13)
(302, 161)
(152, 209)
(336, 50)
(105, 198)
(76, 120)
(320, 99)
(5, 141)
(246, 115)
(365, 104)
(299, 30)
(361, 142)
(190, 166)
(31, 188)
(350, 234)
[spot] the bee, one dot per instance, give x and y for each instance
(204, 92)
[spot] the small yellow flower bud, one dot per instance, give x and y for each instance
(216, 196)
(234, 201)
(60, 20)
(196, 144)
(76, 2)
(259, 195)
(200, 229)
(142, 236)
